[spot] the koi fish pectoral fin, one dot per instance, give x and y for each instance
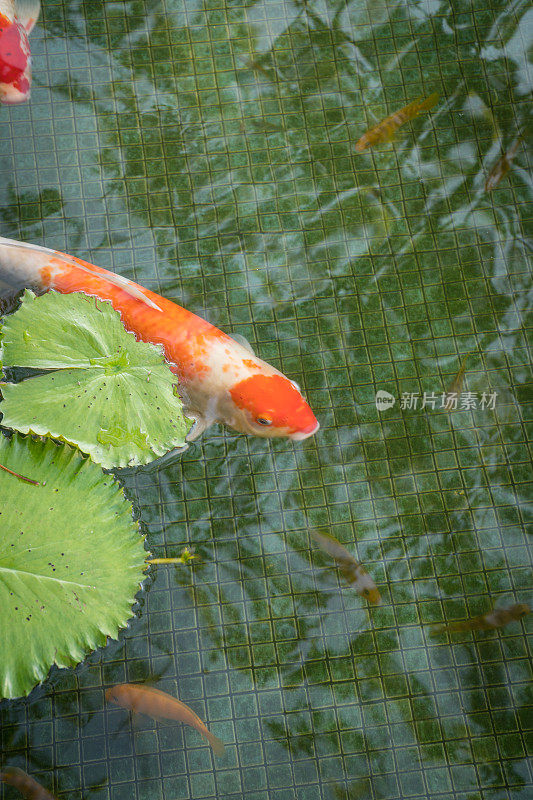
(177, 451)
(9, 296)
(240, 339)
(200, 424)
(27, 13)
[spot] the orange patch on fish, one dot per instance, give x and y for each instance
(46, 276)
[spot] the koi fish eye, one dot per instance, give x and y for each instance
(263, 420)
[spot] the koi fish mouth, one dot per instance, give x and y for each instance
(11, 94)
(14, 100)
(305, 434)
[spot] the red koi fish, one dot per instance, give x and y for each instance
(219, 378)
(26, 785)
(17, 18)
(160, 705)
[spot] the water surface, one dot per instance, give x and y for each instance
(206, 150)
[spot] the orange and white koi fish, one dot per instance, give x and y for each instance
(496, 618)
(160, 705)
(502, 166)
(17, 18)
(219, 379)
(27, 786)
(352, 570)
(385, 130)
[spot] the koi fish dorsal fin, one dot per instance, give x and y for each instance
(240, 339)
(117, 280)
(27, 12)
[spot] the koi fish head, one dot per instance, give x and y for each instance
(363, 584)
(369, 590)
(520, 610)
(115, 695)
(271, 406)
(15, 62)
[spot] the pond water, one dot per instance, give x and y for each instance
(207, 150)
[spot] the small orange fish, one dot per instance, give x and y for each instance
(160, 705)
(385, 130)
(496, 618)
(502, 166)
(456, 386)
(27, 786)
(352, 570)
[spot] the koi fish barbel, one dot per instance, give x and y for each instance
(219, 379)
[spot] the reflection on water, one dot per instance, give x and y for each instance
(208, 153)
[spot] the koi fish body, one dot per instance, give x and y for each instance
(219, 379)
(17, 18)
(385, 130)
(160, 705)
(496, 618)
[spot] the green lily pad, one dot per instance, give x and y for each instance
(110, 395)
(67, 580)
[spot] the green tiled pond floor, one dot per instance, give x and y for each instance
(207, 150)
